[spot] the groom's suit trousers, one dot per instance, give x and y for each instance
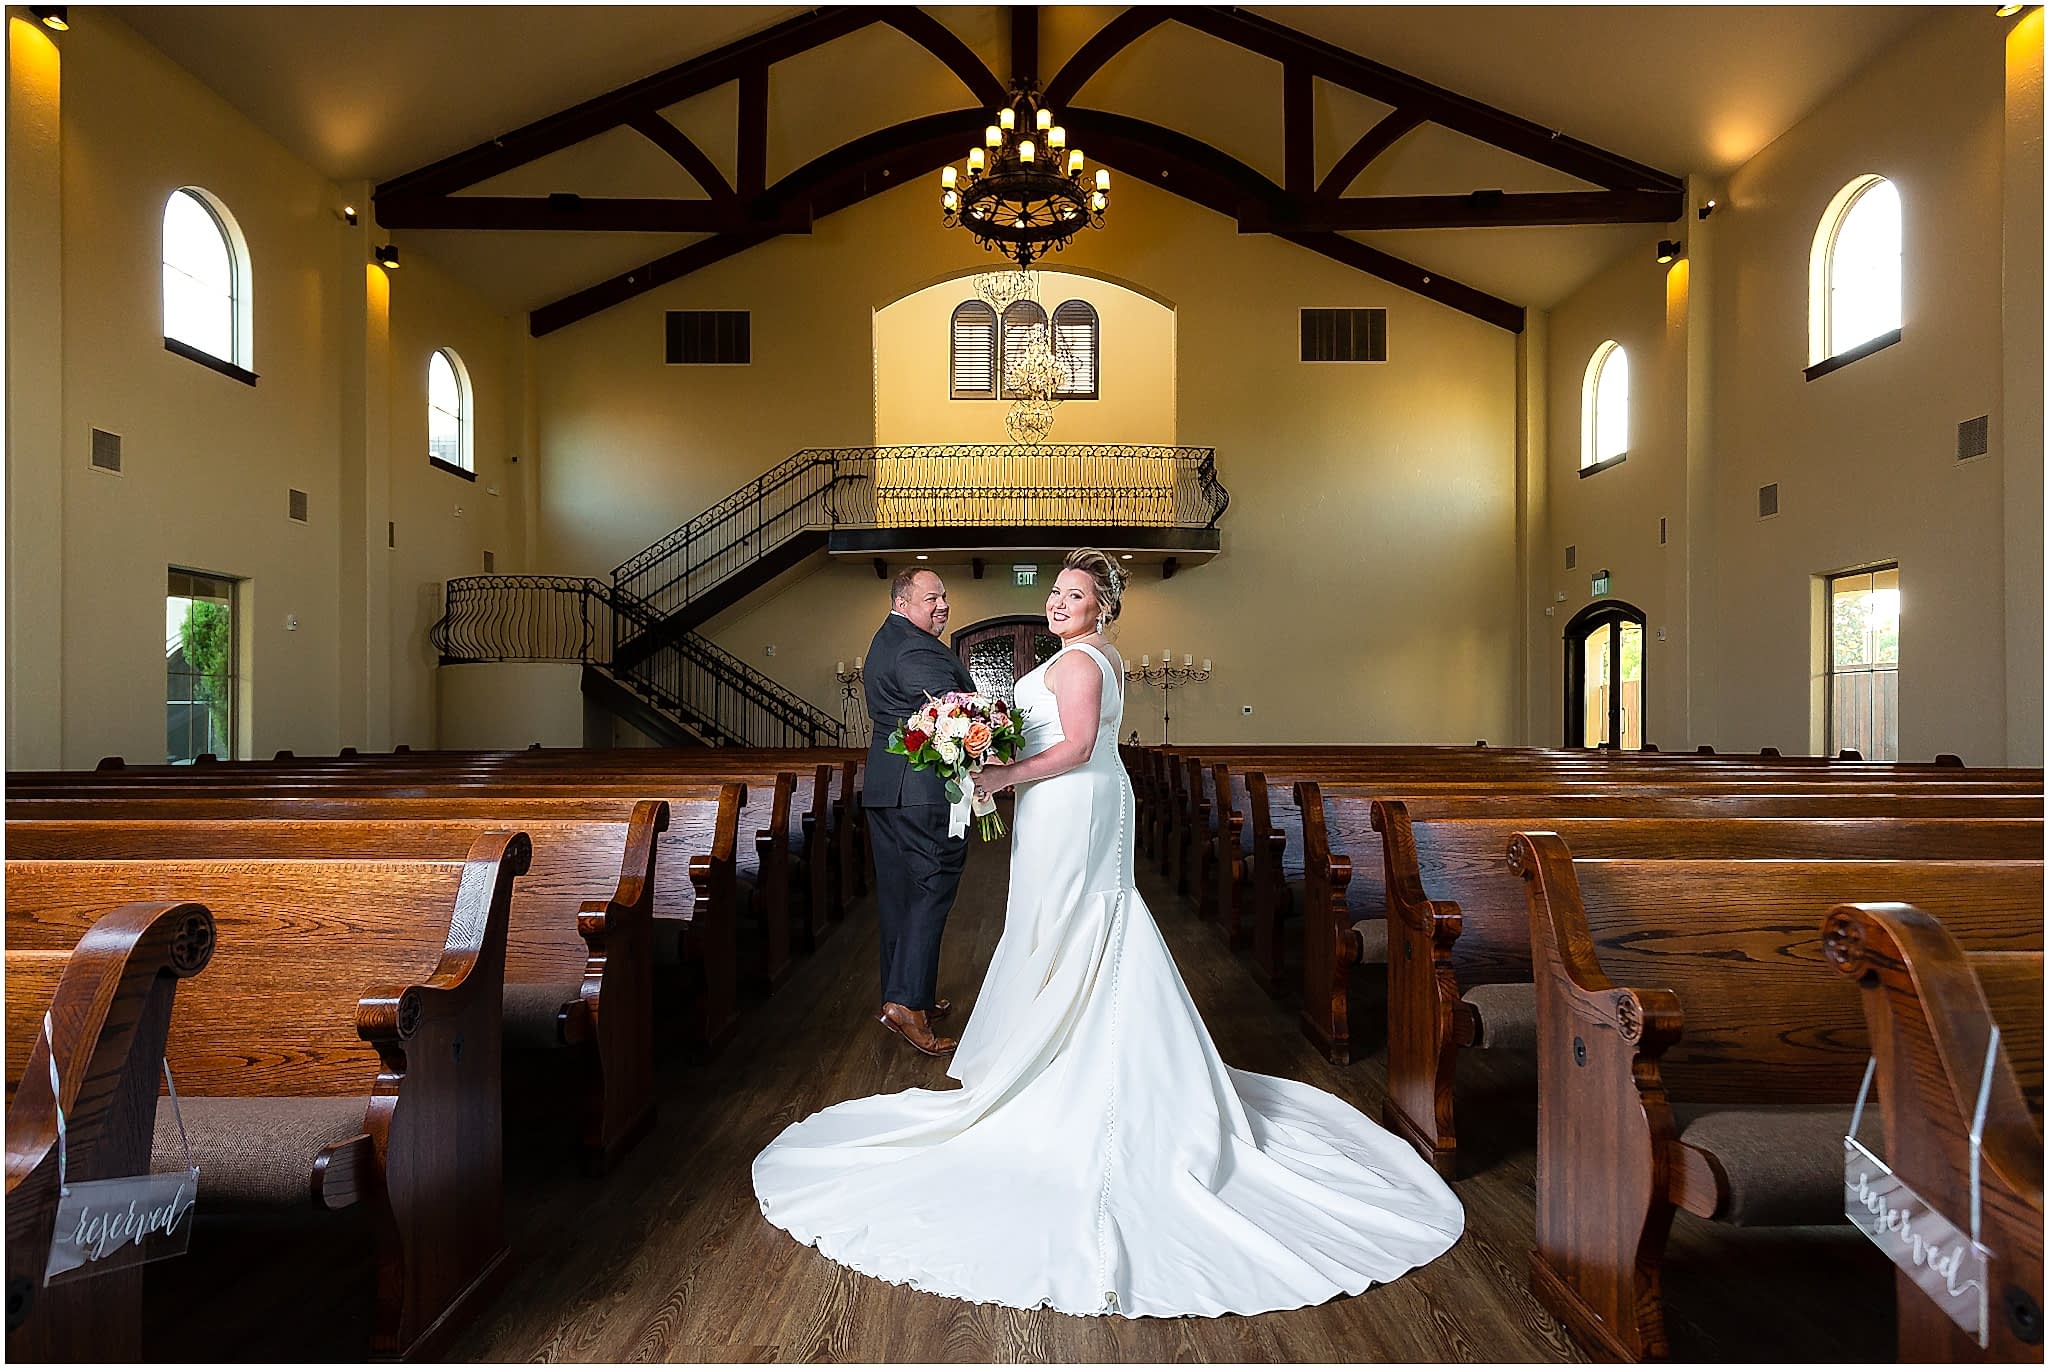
(917, 873)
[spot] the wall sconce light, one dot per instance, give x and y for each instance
(387, 257)
(1709, 207)
(348, 214)
(54, 17)
(1667, 251)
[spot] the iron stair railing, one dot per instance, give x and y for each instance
(550, 617)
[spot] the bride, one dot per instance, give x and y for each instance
(1099, 1157)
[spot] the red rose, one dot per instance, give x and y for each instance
(914, 740)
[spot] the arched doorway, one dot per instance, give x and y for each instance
(1603, 677)
(1000, 651)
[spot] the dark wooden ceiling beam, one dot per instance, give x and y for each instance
(753, 133)
(1023, 48)
(1326, 61)
(1112, 38)
(1298, 131)
(1480, 209)
(1453, 294)
(638, 281)
(1392, 127)
(621, 106)
(574, 213)
(688, 155)
(946, 45)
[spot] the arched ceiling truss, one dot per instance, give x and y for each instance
(739, 214)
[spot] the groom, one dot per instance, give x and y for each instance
(917, 865)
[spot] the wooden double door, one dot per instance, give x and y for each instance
(1000, 651)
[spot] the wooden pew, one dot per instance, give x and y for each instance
(1695, 1049)
(695, 893)
(1459, 973)
(1343, 893)
(108, 999)
(1931, 1008)
(343, 1048)
(579, 958)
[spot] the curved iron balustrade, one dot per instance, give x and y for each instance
(570, 618)
(826, 488)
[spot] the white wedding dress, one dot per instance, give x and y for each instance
(1099, 1156)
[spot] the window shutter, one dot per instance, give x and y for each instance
(1077, 333)
(974, 351)
(1023, 323)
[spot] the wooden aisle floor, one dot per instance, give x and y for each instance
(668, 1258)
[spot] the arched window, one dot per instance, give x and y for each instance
(1857, 294)
(448, 412)
(1603, 416)
(1023, 324)
(1077, 333)
(206, 281)
(974, 351)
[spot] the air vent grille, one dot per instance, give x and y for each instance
(297, 505)
(106, 451)
(1767, 501)
(1973, 437)
(490, 562)
(1663, 531)
(710, 337)
(1343, 334)
(1571, 558)
(391, 535)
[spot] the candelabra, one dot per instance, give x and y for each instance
(853, 706)
(1166, 677)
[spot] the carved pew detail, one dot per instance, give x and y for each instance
(1931, 1008)
(109, 1008)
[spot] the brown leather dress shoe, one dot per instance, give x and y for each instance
(939, 1011)
(910, 1023)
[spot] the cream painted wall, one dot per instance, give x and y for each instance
(1366, 588)
(511, 705)
(1865, 457)
(913, 403)
(209, 460)
(1611, 515)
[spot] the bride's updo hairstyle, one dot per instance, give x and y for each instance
(1109, 582)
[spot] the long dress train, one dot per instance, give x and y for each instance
(1099, 1156)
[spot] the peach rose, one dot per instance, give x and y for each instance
(978, 738)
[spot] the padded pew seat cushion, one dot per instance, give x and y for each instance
(1507, 1015)
(1372, 939)
(533, 1013)
(1779, 1165)
(255, 1152)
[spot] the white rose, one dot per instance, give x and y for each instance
(955, 728)
(949, 750)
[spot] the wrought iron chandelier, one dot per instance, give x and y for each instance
(1026, 192)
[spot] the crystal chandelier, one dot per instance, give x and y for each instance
(1029, 420)
(1003, 288)
(1026, 192)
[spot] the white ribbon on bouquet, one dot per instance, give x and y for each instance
(969, 806)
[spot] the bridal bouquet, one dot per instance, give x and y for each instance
(955, 735)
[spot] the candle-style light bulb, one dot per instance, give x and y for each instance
(840, 668)
(857, 660)
(949, 178)
(1027, 152)
(1056, 137)
(1098, 201)
(1102, 179)
(992, 135)
(1145, 662)
(950, 199)
(1074, 161)
(1207, 664)
(1008, 119)
(1044, 119)
(1187, 662)
(976, 160)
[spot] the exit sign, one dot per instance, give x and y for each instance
(1027, 575)
(1600, 584)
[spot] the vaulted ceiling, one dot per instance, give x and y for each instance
(374, 93)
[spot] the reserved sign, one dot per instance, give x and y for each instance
(114, 1223)
(1943, 1262)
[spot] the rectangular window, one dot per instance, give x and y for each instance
(1343, 334)
(1863, 663)
(199, 667)
(710, 337)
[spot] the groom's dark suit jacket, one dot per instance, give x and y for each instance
(904, 664)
